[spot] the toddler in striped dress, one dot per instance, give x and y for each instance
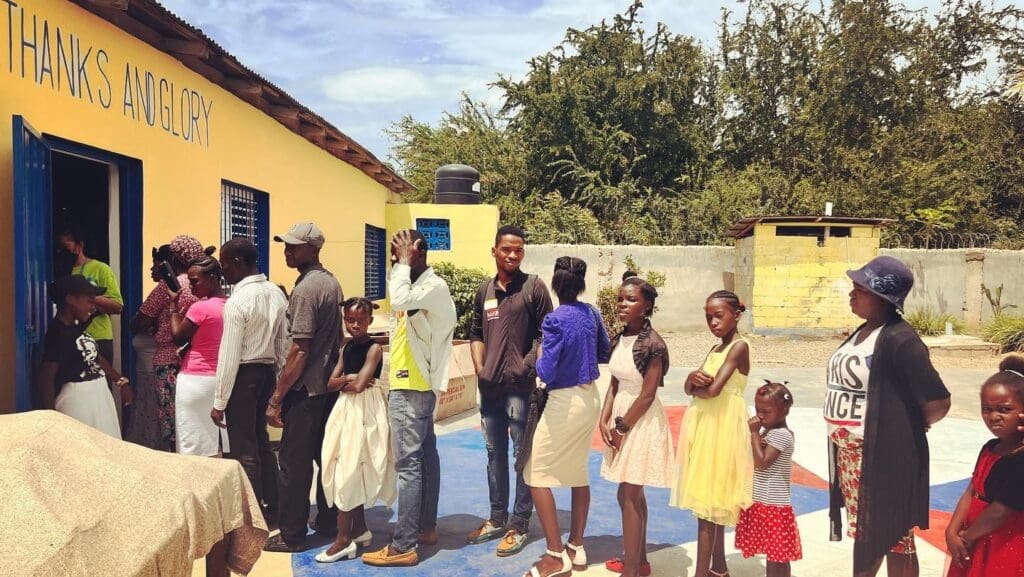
(769, 527)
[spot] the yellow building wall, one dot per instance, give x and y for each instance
(182, 178)
(472, 228)
(794, 284)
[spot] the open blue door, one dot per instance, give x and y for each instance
(32, 254)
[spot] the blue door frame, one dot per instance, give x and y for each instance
(33, 244)
(33, 265)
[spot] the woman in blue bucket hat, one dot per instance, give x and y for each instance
(883, 395)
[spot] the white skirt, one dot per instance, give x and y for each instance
(90, 402)
(358, 465)
(197, 434)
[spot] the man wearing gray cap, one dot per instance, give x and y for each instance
(300, 402)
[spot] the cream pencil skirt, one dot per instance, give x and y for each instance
(561, 445)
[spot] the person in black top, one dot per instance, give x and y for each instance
(986, 533)
(72, 377)
(505, 335)
(358, 465)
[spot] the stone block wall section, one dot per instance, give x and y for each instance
(799, 286)
(951, 280)
(945, 280)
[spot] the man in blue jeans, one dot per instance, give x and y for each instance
(505, 334)
(422, 325)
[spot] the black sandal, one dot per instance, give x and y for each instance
(277, 544)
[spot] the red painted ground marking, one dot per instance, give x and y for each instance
(936, 534)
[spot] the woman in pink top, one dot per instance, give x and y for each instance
(201, 328)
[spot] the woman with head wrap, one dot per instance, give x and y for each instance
(155, 313)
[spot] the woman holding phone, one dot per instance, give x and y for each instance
(201, 328)
(156, 312)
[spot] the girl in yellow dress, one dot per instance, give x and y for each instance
(715, 474)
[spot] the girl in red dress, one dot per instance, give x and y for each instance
(985, 537)
(769, 527)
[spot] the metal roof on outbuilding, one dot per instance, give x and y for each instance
(150, 22)
(745, 226)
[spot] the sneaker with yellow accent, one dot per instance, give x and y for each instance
(386, 557)
(513, 543)
(487, 532)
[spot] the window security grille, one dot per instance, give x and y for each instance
(375, 263)
(245, 212)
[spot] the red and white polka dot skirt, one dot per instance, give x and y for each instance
(769, 530)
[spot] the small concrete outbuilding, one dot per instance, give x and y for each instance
(791, 270)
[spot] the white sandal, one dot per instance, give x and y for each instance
(566, 565)
(579, 560)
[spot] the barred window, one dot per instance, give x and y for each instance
(437, 231)
(375, 259)
(245, 212)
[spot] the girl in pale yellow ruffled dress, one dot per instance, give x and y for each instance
(715, 474)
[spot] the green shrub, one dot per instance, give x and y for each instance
(608, 295)
(1007, 331)
(463, 283)
(928, 322)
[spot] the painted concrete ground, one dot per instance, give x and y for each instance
(671, 533)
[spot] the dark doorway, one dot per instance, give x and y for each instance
(81, 198)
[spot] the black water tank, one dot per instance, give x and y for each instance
(456, 184)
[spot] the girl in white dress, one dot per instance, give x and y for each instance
(633, 423)
(358, 465)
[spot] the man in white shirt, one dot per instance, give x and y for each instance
(422, 326)
(252, 351)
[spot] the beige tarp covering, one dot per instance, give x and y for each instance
(74, 501)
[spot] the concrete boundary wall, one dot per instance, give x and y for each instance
(945, 280)
(692, 273)
(951, 281)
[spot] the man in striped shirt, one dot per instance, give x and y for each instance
(252, 351)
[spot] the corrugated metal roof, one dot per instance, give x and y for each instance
(154, 24)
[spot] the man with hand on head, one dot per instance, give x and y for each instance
(422, 325)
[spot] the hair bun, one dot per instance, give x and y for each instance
(375, 306)
(578, 266)
(629, 274)
(1012, 362)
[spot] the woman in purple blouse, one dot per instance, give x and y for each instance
(574, 343)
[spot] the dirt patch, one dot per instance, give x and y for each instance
(689, 350)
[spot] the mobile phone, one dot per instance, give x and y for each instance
(167, 275)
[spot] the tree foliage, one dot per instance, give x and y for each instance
(625, 136)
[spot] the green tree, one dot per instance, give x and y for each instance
(473, 135)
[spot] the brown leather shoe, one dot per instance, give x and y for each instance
(385, 558)
(429, 537)
(487, 532)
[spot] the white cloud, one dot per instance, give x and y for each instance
(376, 85)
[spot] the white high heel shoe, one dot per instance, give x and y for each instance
(346, 553)
(579, 560)
(363, 539)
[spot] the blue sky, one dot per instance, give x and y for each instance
(363, 64)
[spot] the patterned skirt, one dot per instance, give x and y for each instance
(166, 379)
(850, 456)
(769, 530)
